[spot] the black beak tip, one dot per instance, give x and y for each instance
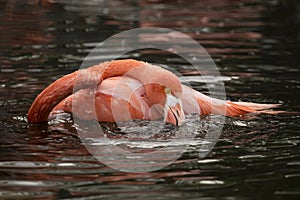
(175, 116)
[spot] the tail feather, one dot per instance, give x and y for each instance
(240, 108)
(257, 106)
(208, 105)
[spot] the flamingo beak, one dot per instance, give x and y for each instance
(173, 111)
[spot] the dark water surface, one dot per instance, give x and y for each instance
(256, 47)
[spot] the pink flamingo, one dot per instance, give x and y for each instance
(130, 89)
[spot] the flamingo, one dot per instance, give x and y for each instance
(127, 90)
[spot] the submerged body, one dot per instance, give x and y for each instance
(127, 90)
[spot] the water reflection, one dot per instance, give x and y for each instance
(227, 29)
(255, 45)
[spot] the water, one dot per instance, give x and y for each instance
(256, 47)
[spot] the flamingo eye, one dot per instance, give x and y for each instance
(167, 90)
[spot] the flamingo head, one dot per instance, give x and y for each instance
(173, 111)
(166, 103)
(164, 91)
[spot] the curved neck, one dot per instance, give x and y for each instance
(50, 97)
(154, 78)
(63, 87)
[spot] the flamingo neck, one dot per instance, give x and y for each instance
(63, 87)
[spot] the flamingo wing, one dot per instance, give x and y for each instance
(116, 99)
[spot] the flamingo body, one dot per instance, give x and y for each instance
(129, 100)
(130, 89)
